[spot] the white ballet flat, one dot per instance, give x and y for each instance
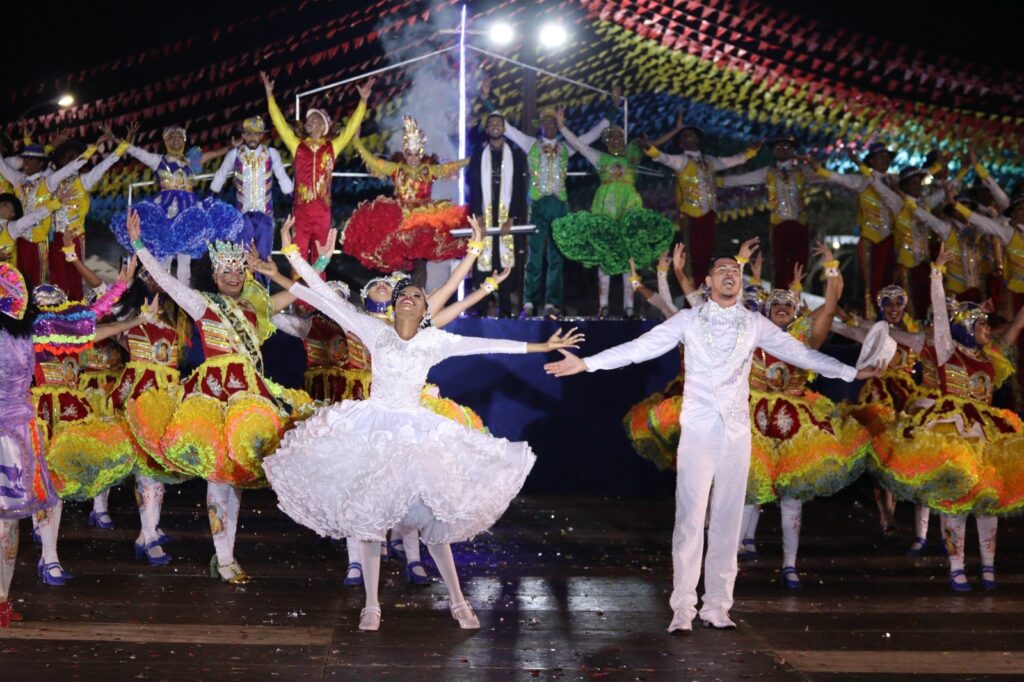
(369, 619)
(463, 613)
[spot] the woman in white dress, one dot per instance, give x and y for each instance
(357, 468)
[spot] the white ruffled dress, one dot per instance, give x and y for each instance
(357, 468)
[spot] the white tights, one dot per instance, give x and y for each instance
(603, 284)
(954, 528)
(223, 502)
(149, 495)
(369, 553)
(8, 555)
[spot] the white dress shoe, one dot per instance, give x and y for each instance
(463, 613)
(369, 619)
(682, 622)
(717, 620)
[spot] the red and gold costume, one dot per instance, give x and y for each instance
(390, 234)
(312, 166)
(802, 447)
(951, 450)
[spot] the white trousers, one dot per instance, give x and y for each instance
(707, 454)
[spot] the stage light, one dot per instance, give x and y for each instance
(501, 33)
(66, 100)
(553, 35)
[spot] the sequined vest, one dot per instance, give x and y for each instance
(786, 195)
(33, 193)
(1014, 256)
(413, 187)
(873, 216)
(963, 272)
(70, 217)
(312, 166)
(549, 165)
(911, 236)
(963, 375)
(695, 187)
(254, 181)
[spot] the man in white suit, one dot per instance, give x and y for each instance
(719, 338)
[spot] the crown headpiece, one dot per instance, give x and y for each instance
(226, 257)
(413, 139)
(781, 297)
(894, 293)
(966, 316)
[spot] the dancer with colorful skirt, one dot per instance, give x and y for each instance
(404, 542)
(802, 447)
(405, 232)
(231, 416)
(951, 450)
(885, 397)
(401, 465)
(26, 488)
(177, 223)
(98, 366)
(86, 451)
(617, 227)
(145, 397)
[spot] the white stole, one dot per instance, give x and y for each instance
(505, 246)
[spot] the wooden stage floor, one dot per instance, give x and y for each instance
(566, 589)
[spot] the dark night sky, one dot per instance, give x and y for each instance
(985, 31)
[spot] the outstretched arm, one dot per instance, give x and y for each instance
(474, 248)
(226, 167)
(822, 317)
(355, 120)
(941, 331)
(476, 345)
(192, 302)
(293, 325)
(654, 343)
(71, 255)
(786, 348)
(587, 152)
(288, 136)
(283, 181)
(381, 168)
(450, 312)
(341, 311)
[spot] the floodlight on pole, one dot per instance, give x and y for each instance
(501, 33)
(553, 35)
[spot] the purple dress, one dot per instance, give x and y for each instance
(25, 484)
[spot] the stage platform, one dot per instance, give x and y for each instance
(567, 588)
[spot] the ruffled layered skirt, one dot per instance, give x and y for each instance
(388, 237)
(194, 224)
(954, 455)
(596, 239)
(355, 469)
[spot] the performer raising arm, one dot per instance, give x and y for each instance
(714, 447)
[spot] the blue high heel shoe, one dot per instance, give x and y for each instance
(958, 586)
(749, 552)
(918, 548)
(46, 573)
(353, 580)
(414, 578)
(985, 583)
(101, 520)
(146, 552)
(162, 538)
(790, 578)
